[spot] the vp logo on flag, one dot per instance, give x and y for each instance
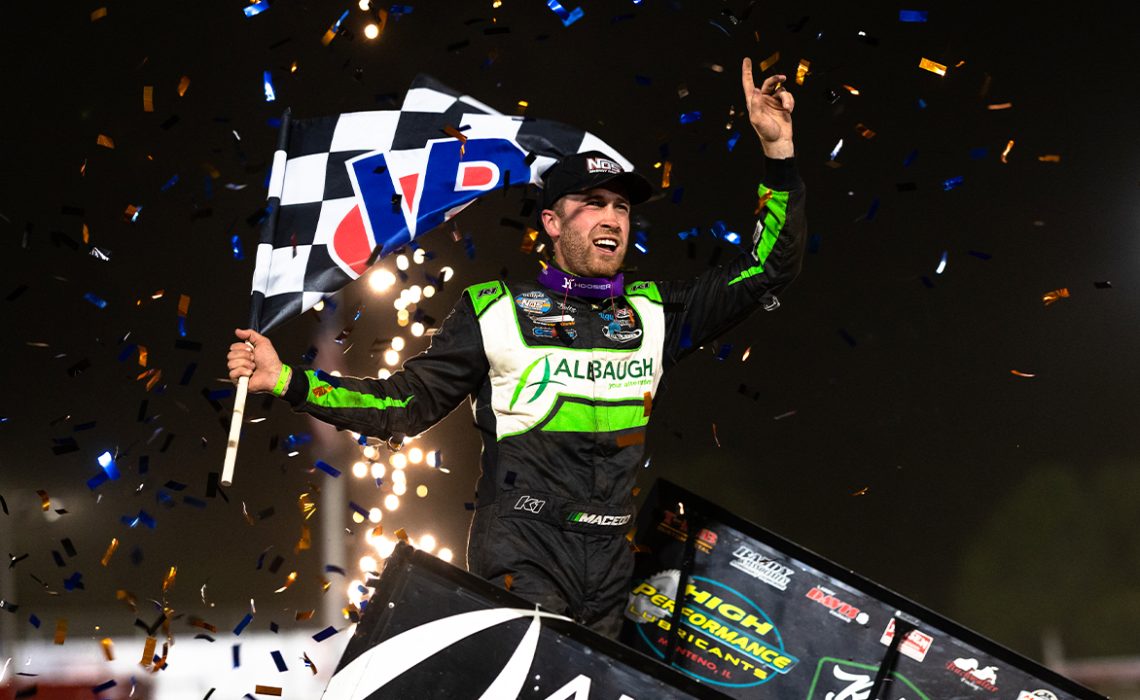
(403, 194)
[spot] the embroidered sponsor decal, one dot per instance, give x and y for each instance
(533, 302)
(602, 165)
(587, 518)
(530, 505)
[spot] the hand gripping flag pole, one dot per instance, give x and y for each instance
(276, 179)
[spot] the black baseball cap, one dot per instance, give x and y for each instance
(585, 171)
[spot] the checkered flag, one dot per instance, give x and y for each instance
(347, 189)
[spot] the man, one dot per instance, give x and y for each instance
(562, 372)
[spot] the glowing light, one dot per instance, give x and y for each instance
(402, 317)
(367, 563)
(422, 491)
(370, 452)
(384, 373)
(399, 487)
(401, 262)
(398, 343)
(354, 592)
(415, 293)
(335, 373)
(398, 460)
(429, 292)
(417, 329)
(445, 554)
(364, 5)
(381, 280)
(446, 273)
(357, 517)
(360, 470)
(378, 470)
(418, 256)
(427, 543)
(384, 546)
(391, 502)
(399, 477)
(391, 357)
(371, 31)
(319, 306)
(375, 514)
(415, 455)
(401, 304)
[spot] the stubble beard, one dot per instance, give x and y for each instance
(577, 256)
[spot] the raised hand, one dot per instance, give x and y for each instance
(769, 111)
(255, 358)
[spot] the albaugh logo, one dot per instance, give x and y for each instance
(379, 665)
(541, 383)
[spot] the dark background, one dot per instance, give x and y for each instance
(914, 455)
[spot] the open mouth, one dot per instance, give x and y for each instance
(610, 245)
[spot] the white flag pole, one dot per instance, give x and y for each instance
(276, 180)
(235, 431)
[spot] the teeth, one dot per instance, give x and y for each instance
(606, 243)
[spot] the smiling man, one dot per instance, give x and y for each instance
(562, 371)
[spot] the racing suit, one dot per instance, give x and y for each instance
(561, 374)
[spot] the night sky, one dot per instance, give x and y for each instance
(942, 430)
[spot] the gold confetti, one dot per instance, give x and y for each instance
(306, 540)
(633, 492)
(666, 172)
(862, 492)
(402, 535)
(1005, 153)
(86, 234)
(202, 624)
(715, 438)
(105, 141)
(646, 403)
(168, 582)
(183, 85)
(99, 14)
(142, 356)
(45, 500)
(303, 615)
(108, 648)
(288, 582)
(1002, 105)
(852, 90)
(508, 581)
(521, 109)
(309, 662)
(183, 305)
(325, 583)
(769, 62)
(457, 134)
(378, 530)
(267, 690)
(305, 503)
(762, 201)
(1049, 158)
(110, 551)
(747, 352)
(293, 67)
(130, 212)
(60, 631)
(148, 651)
(129, 597)
(1055, 295)
(628, 439)
(1021, 374)
(148, 98)
(211, 170)
(864, 131)
(936, 68)
(528, 239)
(802, 70)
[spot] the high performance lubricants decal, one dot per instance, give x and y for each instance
(726, 639)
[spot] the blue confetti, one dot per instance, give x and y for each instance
(35, 621)
(90, 296)
(979, 153)
(270, 93)
(97, 480)
(73, 582)
(724, 352)
(941, 264)
(331, 568)
(244, 622)
(328, 468)
(104, 686)
(873, 210)
(143, 518)
(279, 661)
(396, 11)
(192, 501)
(568, 17)
(218, 394)
(237, 655)
(324, 634)
(359, 509)
(910, 158)
(686, 336)
(921, 103)
(182, 326)
(733, 139)
(170, 183)
(107, 461)
(951, 183)
(469, 246)
(641, 241)
(980, 255)
(691, 233)
(256, 8)
(912, 15)
(690, 117)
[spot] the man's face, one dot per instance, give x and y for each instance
(589, 231)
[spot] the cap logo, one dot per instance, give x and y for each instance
(602, 165)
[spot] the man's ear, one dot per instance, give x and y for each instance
(552, 224)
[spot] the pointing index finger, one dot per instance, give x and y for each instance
(746, 75)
